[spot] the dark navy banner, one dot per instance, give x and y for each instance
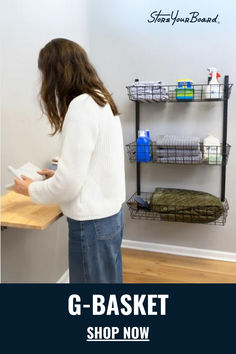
(165, 318)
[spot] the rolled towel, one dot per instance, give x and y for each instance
(185, 142)
(181, 160)
(141, 94)
(149, 97)
(177, 152)
(153, 90)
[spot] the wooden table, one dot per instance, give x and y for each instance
(20, 212)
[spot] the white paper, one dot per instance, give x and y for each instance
(29, 170)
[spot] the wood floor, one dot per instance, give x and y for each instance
(152, 267)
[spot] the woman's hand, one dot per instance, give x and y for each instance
(22, 186)
(47, 173)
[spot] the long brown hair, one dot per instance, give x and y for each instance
(67, 73)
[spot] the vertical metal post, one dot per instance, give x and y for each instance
(137, 121)
(224, 137)
(138, 166)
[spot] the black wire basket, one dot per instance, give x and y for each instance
(155, 93)
(183, 155)
(208, 216)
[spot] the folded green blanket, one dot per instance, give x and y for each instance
(186, 205)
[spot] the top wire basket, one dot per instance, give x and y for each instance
(159, 92)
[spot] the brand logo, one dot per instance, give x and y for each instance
(174, 17)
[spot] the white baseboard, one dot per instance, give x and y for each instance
(180, 250)
(64, 279)
(170, 249)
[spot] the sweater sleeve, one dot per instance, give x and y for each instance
(80, 134)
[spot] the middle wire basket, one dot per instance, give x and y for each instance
(184, 155)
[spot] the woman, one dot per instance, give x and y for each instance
(89, 184)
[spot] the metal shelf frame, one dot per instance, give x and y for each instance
(225, 99)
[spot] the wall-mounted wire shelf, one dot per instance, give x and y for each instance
(183, 155)
(208, 215)
(182, 92)
(168, 93)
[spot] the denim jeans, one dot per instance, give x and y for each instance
(95, 250)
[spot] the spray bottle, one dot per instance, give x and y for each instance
(214, 90)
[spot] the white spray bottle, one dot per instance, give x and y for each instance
(214, 90)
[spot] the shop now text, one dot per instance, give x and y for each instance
(106, 334)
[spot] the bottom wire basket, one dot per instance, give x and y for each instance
(208, 215)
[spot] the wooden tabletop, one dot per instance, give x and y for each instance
(20, 212)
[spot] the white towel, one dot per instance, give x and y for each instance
(152, 90)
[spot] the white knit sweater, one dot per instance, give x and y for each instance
(90, 180)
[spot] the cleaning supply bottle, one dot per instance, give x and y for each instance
(212, 150)
(184, 90)
(147, 132)
(214, 90)
(143, 149)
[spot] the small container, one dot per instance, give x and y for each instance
(184, 90)
(212, 150)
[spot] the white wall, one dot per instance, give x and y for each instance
(26, 26)
(125, 47)
(122, 46)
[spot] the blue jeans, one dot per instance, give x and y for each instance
(95, 250)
